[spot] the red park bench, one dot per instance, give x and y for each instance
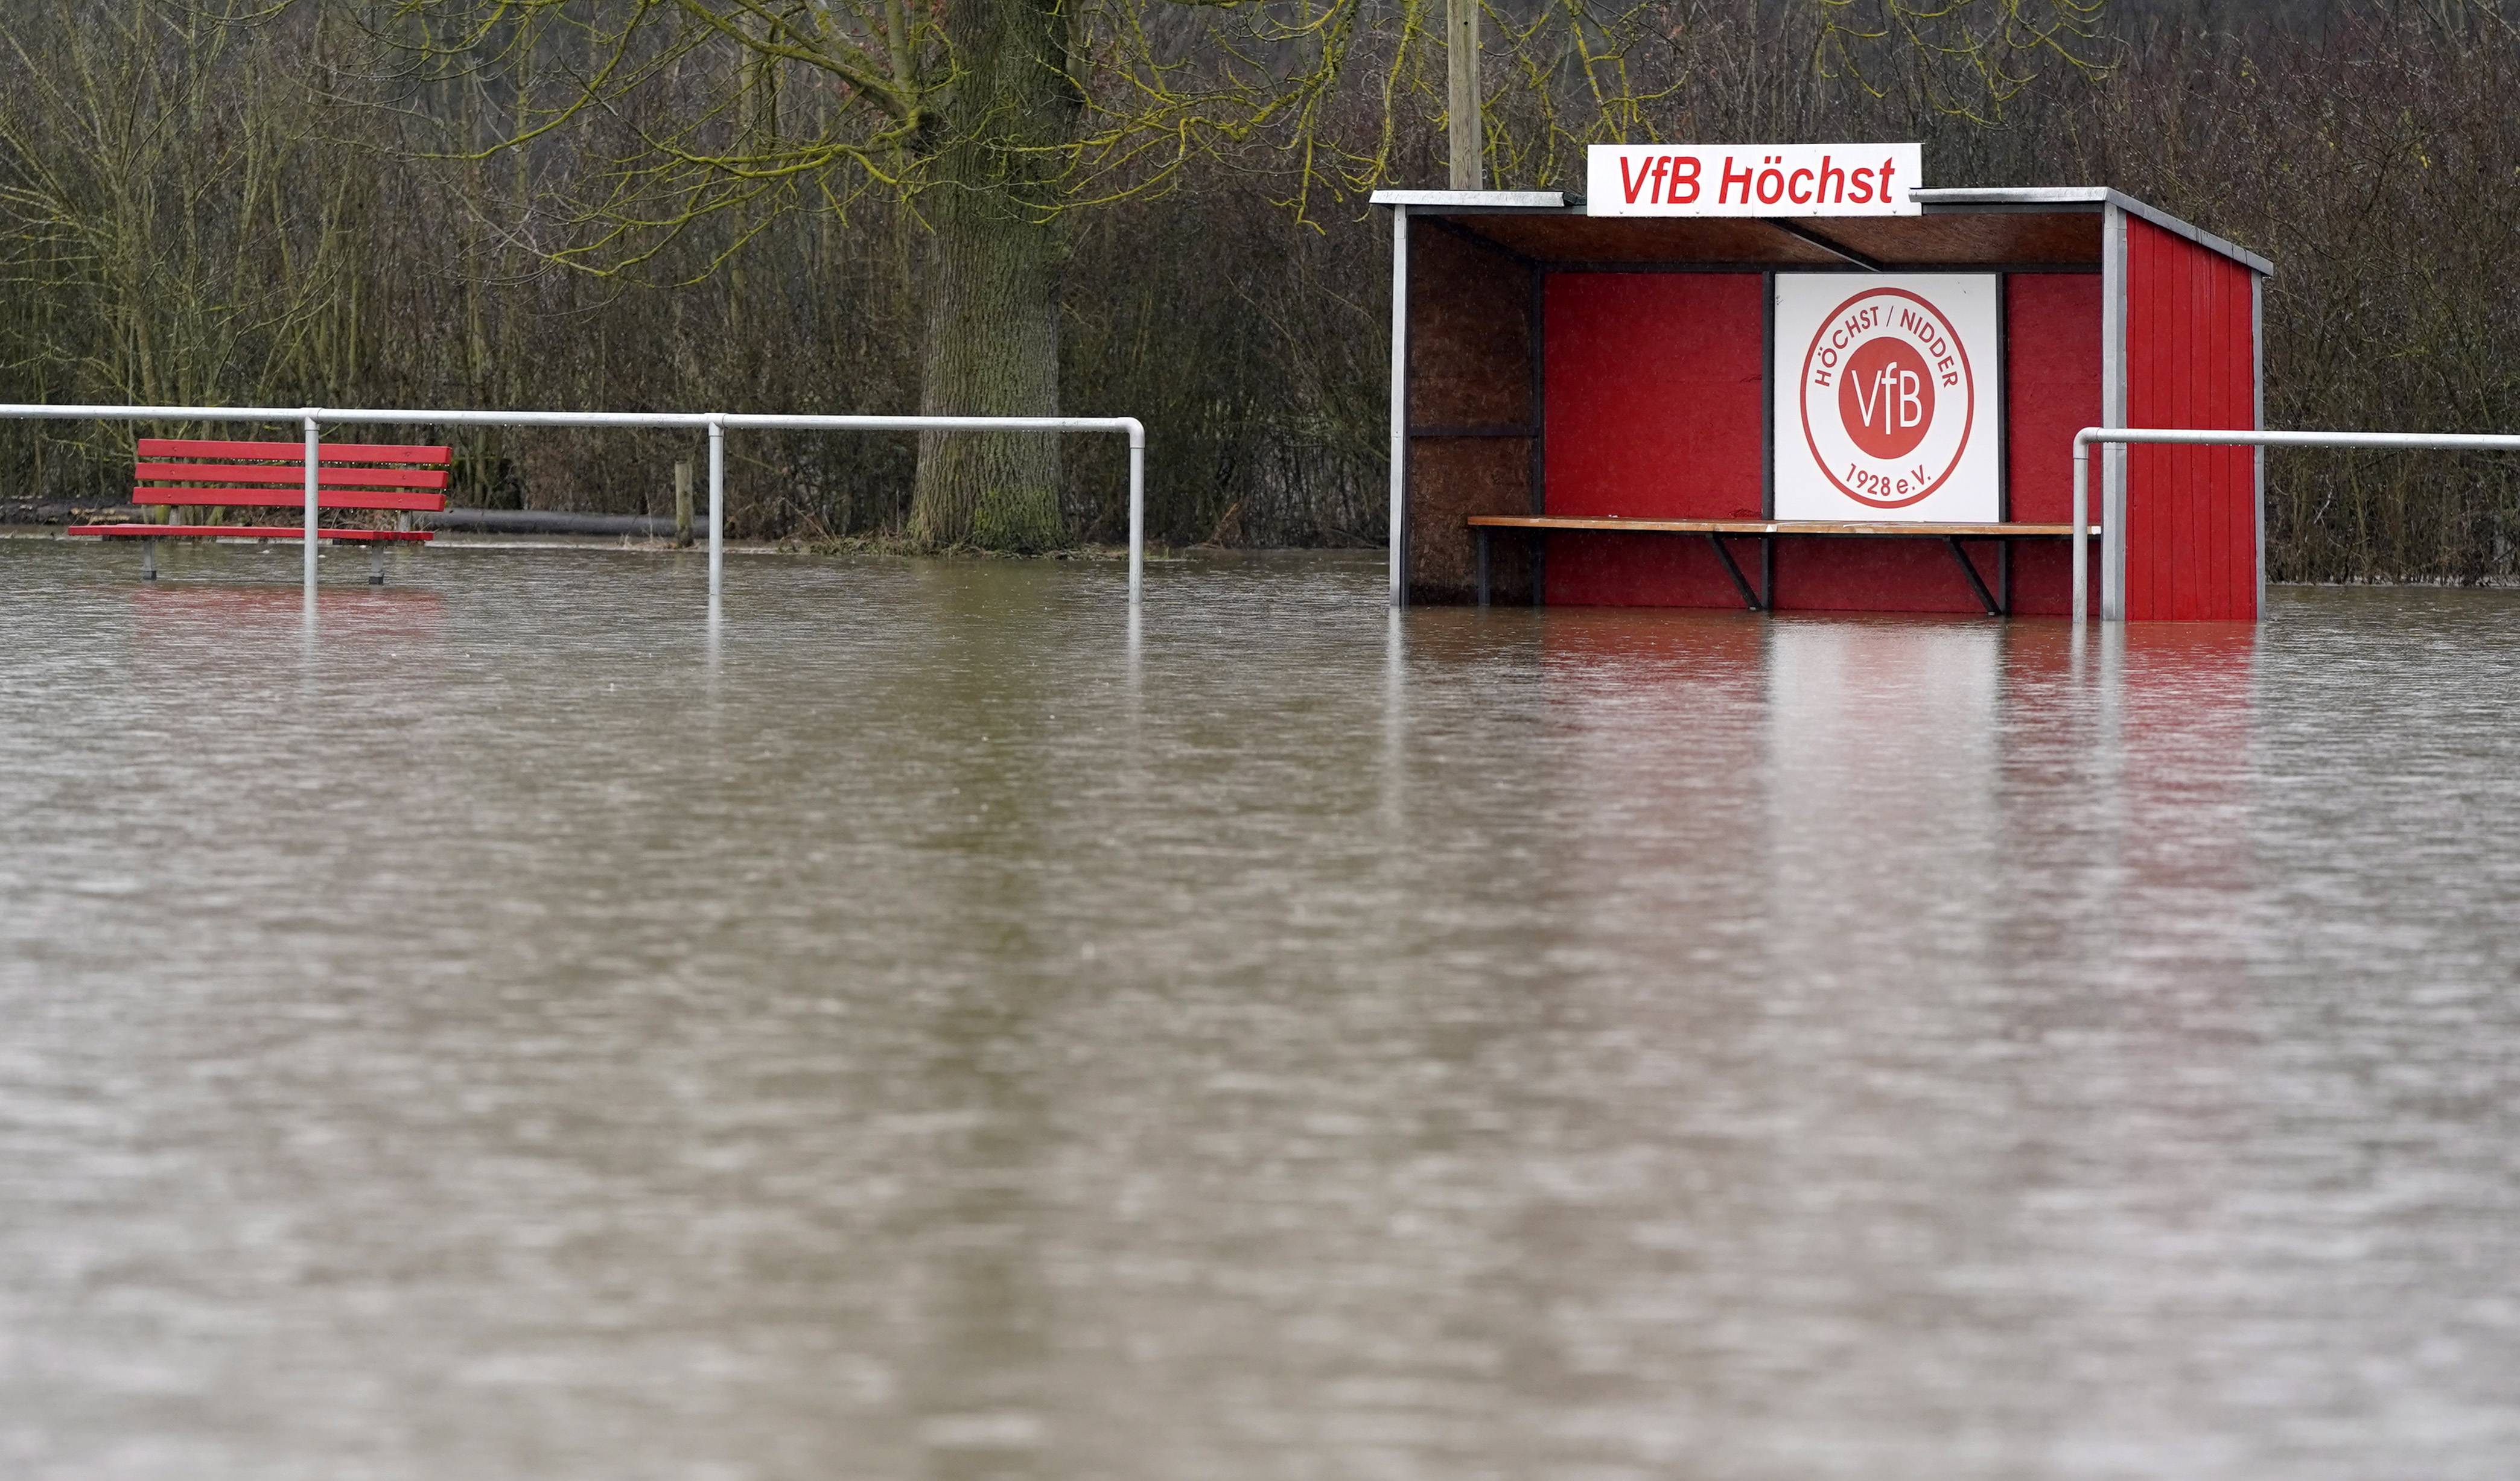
(350, 475)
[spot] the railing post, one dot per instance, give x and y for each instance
(314, 456)
(717, 506)
(1137, 509)
(2082, 529)
(1399, 596)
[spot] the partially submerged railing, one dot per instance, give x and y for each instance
(2473, 442)
(716, 423)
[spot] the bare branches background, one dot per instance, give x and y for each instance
(308, 207)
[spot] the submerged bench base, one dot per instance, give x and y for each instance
(150, 534)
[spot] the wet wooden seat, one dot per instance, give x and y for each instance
(171, 473)
(1766, 531)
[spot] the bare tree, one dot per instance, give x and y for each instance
(995, 120)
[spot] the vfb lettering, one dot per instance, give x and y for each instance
(1887, 401)
(1744, 180)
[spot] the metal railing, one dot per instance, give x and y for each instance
(715, 424)
(2083, 440)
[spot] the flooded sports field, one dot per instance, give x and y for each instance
(927, 1026)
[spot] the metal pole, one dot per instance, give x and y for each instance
(1137, 513)
(2082, 528)
(715, 424)
(717, 505)
(2111, 535)
(1399, 398)
(314, 456)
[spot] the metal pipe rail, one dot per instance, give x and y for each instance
(2083, 440)
(715, 424)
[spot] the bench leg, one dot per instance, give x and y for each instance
(147, 560)
(1976, 582)
(1749, 597)
(1482, 536)
(1768, 573)
(376, 562)
(1539, 569)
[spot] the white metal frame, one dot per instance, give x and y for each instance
(2184, 437)
(1399, 553)
(715, 424)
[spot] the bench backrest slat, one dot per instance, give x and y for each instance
(291, 452)
(233, 496)
(273, 475)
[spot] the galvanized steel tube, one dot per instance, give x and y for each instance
(2201, 436)
(717, 506)
(314, 450)
(715, 424)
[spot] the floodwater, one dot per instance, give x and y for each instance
(926, 1030)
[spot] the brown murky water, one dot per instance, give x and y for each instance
(926, 1032)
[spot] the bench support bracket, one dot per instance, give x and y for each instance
(147, 560)
(1977, 583)
(1731, 568)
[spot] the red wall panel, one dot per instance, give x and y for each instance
(2052, 390)
(1836, 574)
(2192, 512)
(1654, 409)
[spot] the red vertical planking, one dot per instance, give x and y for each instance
(2209, 383)
(2202, 593)
(2145, 465)
(2228, 413)
(2185, 553)
(2191, 531)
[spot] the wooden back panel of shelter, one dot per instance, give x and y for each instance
(1473, 408)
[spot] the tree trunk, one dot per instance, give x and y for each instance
(994, 268)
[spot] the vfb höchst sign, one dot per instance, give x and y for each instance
(1752, 179)
(1887, 403)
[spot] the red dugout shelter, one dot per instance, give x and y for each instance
(1764, 392)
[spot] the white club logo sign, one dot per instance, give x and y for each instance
(1885, 407)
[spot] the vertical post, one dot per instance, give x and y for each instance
(1398, 399)
(2113, 411)
(314, 460)
(682, 504)
(717, 506)
(1137, 513)
(2082, 528)
(1461, 93)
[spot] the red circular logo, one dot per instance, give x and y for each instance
(1888, 397)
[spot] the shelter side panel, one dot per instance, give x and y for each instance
(2051, 374)
(1654, 409)
(1472, 420)
(2192, 512)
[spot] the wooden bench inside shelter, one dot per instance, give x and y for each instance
(1997, 601)
(171, 473)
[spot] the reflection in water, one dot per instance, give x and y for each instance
(934, 1025)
